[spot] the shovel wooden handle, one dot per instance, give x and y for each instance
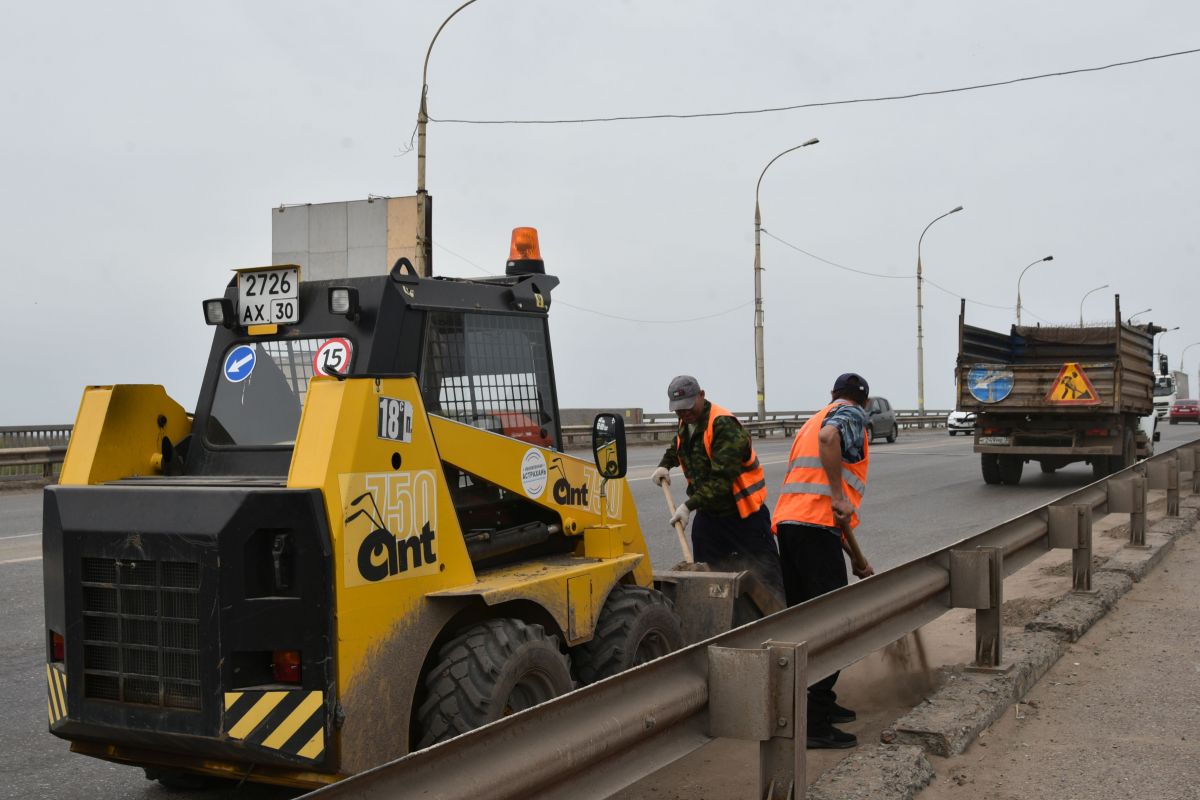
(858, 561)
(687, 551)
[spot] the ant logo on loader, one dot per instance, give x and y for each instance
(564, 493)
(382, 554)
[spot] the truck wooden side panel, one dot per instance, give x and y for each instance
(1115, 359)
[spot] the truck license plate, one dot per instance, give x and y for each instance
(994, 440)
(269, 296)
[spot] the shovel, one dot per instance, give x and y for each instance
(687, 551)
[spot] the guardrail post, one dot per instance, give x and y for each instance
(977, 581)
(1195, 472)
(1137, 513)
(762, 695)
(1163, 473)
(1070, 526)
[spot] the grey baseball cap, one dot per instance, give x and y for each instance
(682, 392)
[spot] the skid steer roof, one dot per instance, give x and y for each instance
(479, 349)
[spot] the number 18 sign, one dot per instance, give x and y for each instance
(395, 420)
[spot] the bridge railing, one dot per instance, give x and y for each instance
(749, 683)
(28, 451)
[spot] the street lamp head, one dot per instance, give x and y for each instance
(813, 140)
(955, 210)
(1048, 258)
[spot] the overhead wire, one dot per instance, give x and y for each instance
(823, 103)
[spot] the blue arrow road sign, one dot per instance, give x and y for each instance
(239, 363)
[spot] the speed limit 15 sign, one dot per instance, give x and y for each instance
(332, 357)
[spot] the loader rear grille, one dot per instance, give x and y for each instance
(141, 641)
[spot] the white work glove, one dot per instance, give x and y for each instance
(681, 515)
(660, 476)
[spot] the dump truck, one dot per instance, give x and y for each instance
(1056, 395)
(363, 541)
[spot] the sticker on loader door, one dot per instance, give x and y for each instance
(533, 473)
(390, 526)
(1072, 387)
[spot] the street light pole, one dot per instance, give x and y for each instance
(1163, 332)
(1184, 355)
(1129, 319)
(920, 309)
(423, 245)
(759, 366)
(1089, 291)
(1040, 260)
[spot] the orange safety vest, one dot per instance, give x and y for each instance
(749, 487)
(805, 496)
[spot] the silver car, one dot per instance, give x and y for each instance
(960, 421)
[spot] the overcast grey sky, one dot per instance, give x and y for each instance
(144, 144)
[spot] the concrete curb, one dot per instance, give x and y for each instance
(880, 772)
(1074, 614)
(1136, 562)
(950, 719)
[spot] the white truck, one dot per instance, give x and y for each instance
(1169, 387)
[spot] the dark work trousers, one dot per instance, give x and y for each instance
(733, 543)
(812, 562)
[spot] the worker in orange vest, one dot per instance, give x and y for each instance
(726, 487)
(825, 482)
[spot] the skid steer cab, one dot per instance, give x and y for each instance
(365, 540)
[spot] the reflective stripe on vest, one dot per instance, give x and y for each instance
(750, 486)
(806, 496)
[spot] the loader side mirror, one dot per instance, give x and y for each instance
(608, 446)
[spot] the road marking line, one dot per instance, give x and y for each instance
(19, 536)
(20, 560)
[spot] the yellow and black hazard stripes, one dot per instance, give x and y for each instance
(291, 723)
(56, 694)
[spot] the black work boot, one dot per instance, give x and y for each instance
(831, 738)
(839, 714)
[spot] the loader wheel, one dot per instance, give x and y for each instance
(1011, 468)
(636, 625)
(489, 671)
(990, 465)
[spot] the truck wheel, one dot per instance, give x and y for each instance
(1048, 467)
(1010, 470)
(1128, 454)
(636, 625)
(990, 464)
(489, 671)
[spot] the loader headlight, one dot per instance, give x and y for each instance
(218, 311)
(343, 301)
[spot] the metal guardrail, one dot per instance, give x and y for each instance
(748, 683)
(662, 427)
(54, 438)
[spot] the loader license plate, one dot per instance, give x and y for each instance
(994, 440)
(269, 296)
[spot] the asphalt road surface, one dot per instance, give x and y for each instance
(925, 493)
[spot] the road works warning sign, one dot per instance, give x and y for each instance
(1072, 387)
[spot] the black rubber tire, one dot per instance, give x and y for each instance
(895, 433)
(990, 465)
(636, 625)
(175, 780)
(1174, 422)
(1099, 467)
(953, 432)
(1047, 468)
(489, 671)
(1010, 470)
(1128, 454)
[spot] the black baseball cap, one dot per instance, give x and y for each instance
(851, 382)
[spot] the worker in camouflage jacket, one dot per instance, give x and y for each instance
(726, 487)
